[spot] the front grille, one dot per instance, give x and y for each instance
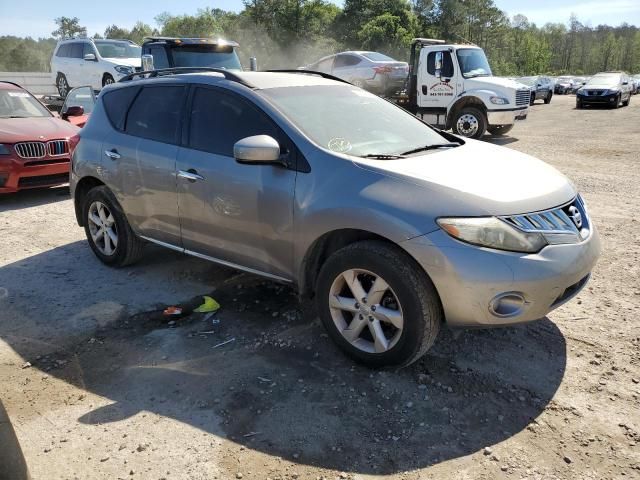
(58, 147)
(44, 180)
(30, 149)
(566, 224)
(40, 163)
(523, 96)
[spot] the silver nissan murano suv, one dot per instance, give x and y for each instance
(394, 228)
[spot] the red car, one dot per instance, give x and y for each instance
(35, 145)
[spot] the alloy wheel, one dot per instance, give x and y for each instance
(366, 311)
(62, 86)
(467, 125)
(103, 229)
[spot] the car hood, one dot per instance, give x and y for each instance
(131, 62)
(480, 179)
(492, 82)
(14, 130)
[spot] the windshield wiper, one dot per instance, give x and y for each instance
(474, 75)
(381, 156)
(433, 146)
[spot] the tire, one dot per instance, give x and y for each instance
(409, 291)
(127, 248)
(499, 129)
(626, 104)
(62, 85)
(470, 130)
(532, 100)
(618, 101)
(107, 79)
(579, 104)
(547, 99)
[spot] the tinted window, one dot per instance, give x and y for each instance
(87, 49)
(346, 61)
(155, 113)
(447, 64)
(63, 51)
(116, 103)
(219, 120)
(76, 50)
(160, 59)
(205, 56)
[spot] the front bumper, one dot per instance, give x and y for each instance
(507, 117)
(20, 174)
(469, 278)
(608, 99)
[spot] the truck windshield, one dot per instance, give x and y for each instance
(473, 63)
(206, 56)
(349, 120)
(111, 49)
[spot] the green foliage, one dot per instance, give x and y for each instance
(291, 33)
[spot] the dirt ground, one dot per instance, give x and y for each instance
(112, 391)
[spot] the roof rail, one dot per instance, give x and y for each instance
(179, 70)
(310, 72)
(191, 40)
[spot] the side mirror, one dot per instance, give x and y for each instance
(259, 149)
(73, 111)
(625, 83)
(90, 57)
(147, 62)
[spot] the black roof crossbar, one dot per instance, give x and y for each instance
(310, 72)
(179, 70)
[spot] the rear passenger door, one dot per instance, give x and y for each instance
(345, 67)
(140, 153)
(236, 213)
(75, 75)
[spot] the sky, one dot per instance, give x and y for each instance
(35, 17)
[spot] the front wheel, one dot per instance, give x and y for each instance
(377, 304)
(547, 99)
(107, 229)
(626, 104)
(470, 122)
(62, 85)
(499, 129)
(107, 79)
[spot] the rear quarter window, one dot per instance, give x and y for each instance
(116, 104)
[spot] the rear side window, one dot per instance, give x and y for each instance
(346, 61)
(116, 104)
(63, 51)
(155, 113)
(219, 120)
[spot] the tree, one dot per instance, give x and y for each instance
(68, 28)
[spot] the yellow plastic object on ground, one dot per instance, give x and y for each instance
(209, 305)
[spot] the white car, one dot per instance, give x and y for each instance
(85, 61)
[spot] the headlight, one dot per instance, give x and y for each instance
(613, 90)
(499, 100)
(124, 69)
(493, 233)
(4, 150)
(580, 92)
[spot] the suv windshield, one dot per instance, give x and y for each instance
(473, 63)
(20, 104)
(206, 56)
(352, 121)
(115, 49)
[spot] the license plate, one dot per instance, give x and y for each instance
(522, 115)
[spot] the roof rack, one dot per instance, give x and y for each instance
(310, 72)
(180, 70)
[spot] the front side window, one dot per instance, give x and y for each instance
(155, 113)
(473, 63)
(80, 97)
(116, 49)
(87, 49)
(441, 60)
(349, 120)
(76, 50)
(20, 104)
(219, 120)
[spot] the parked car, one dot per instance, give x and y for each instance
(605, 88)
(170, 52)
(541, 87)
(35, 146)
(78, 105)
(372, 71)
(393, 226)
(565, 85)
(636, 82)
(86, 61)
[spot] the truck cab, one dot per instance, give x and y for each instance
(171, 52)
(452, 87)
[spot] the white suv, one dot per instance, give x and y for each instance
(85, 61)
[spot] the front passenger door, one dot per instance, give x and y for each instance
(237, 213)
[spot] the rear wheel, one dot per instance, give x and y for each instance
(377, 304)
(499, 129)
(107, 229)
(470, 122)
(62, 85)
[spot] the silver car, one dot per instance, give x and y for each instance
(372, 71)
(395, 228)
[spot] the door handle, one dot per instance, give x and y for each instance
(424, 89)
(112, 154)
(190, 175)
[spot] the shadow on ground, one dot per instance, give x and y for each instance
(32, 198)
(280, 386)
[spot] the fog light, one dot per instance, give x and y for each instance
(507, 304)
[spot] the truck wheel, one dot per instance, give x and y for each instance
(377, 304)
(547, 99)
(107, 229)
(499, 129)
(470, 122)
(63, 85)
(533, 98)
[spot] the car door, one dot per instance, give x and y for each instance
(75, 65)
(231, 212)
(436, 71)
(91, 71)
(140, 156)
(345, 67)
